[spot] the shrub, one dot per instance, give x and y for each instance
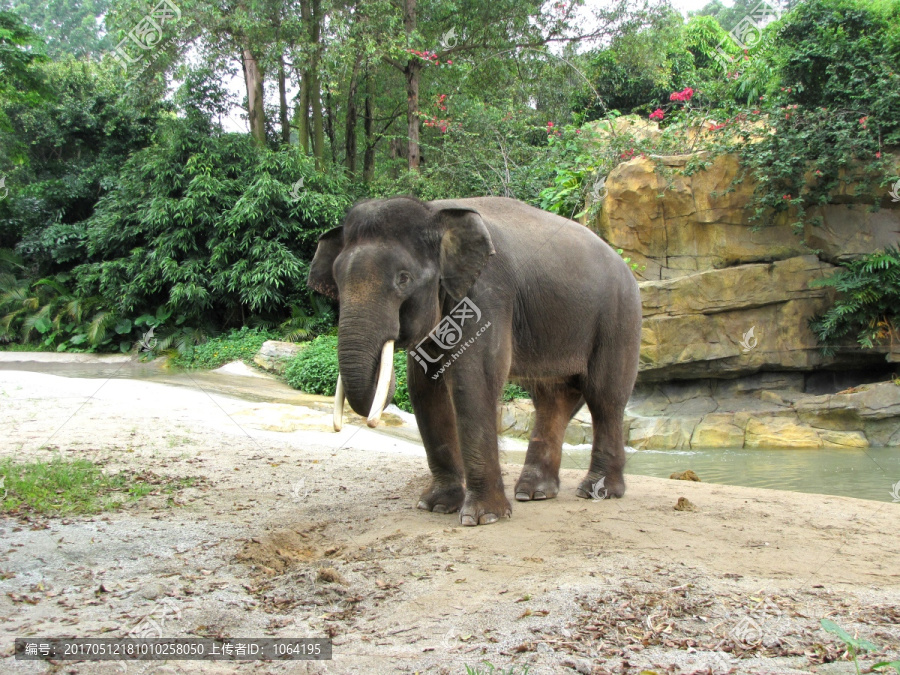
(868, 303)
(236, 345)
(315, 369)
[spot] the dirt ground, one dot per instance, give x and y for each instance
(296, 531)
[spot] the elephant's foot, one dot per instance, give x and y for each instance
(601, 487)
(442, 498)
(484, 509)
(535, 483)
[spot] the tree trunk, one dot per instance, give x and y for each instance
(318, 130)
(282, 101)
(412, 113)
(368, 123)
(412, 88)
(301, 115)
(352, 114)
(330, 124)
(254, 82)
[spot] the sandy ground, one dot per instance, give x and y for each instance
(296, 531)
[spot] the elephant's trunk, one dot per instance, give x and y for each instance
(366, 366)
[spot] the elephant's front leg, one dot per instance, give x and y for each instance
(475, 396)
(437, 426)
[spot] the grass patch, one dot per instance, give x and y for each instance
(236, 345)
(16, 347)
(60, 487)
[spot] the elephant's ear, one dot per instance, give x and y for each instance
(465, 247)
(321, 278)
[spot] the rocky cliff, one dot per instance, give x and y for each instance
(727, 357)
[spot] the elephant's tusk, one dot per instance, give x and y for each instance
(339, 399)
(383, 385)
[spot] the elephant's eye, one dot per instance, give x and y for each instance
(403, 279)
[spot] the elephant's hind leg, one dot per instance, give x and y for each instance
(554, 406)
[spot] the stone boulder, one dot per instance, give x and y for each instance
(275, 355)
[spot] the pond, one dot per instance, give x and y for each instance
(870, 473)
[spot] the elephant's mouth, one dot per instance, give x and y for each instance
(382, 389)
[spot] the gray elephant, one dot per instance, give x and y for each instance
(479, 291)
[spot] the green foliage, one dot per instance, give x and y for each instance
(205, 223)
(401, 393)
(854, 645)
(236, 345)
(62, 151)
(315, 369)
(887, 664)
(868, 302)
(512, 391)
(61, 487)
(491, 669)
(47, 312)
(833, 115)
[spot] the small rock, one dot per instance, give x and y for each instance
(582, 666)
(152, 591)
(331, 575)
(685, 475)
(684, 505)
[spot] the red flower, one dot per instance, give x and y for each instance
(877, 155)
(549, 125)
(786, 197)
(657, 114)
(863, 120)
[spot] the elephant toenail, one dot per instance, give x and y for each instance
(440, 508)
(487, 519)
(539, 495)
(422, 505)
(584, 494)
(522, 496)
(468, 521)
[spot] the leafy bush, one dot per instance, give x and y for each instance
(513, 391)
(48, 313)
(209, 225)
(236, 345)
(315, 369)
(868, 302)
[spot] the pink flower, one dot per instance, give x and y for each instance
(877, 155)
(657, 114)
(549, 125)
(684, 95)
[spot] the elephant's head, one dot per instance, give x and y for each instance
(386, 266)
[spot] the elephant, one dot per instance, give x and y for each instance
(480, 291)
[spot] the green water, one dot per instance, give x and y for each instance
(866, 474)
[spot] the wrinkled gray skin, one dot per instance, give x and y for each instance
(565, 321)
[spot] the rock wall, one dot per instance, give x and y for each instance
(701, 221)
(727, 357)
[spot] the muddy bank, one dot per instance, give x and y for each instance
(303, 532)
